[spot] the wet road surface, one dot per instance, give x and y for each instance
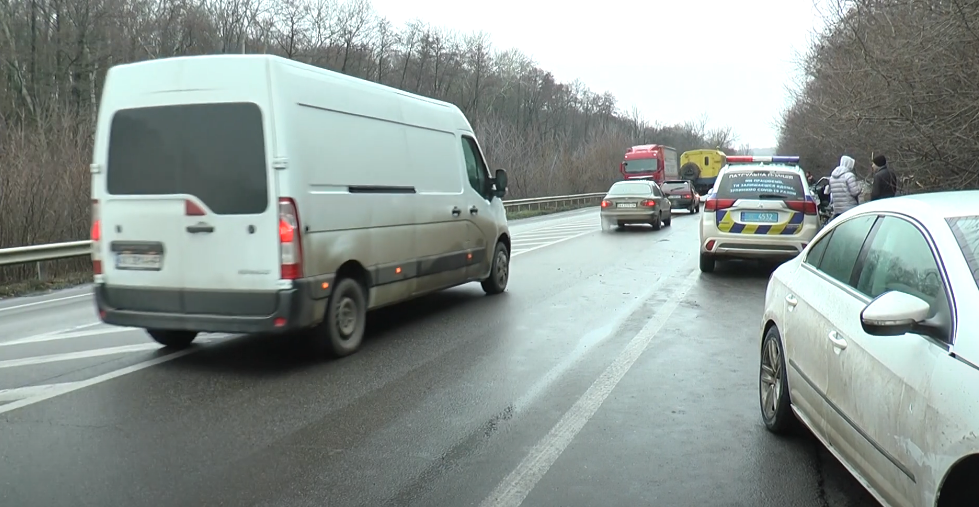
(610, 373)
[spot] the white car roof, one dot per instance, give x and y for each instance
(947, 204)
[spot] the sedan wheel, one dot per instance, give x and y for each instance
(773, 391)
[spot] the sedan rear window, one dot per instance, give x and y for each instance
(215, 152)
(761, 185)
(675, 187)
(966, 231)
(629, 189)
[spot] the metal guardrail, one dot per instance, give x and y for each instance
(55, 251)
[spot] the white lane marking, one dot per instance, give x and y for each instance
(546, 237)
(549, 244)
(95, 380)
(69, 356)
(46, 301)
(20, 393)
(62, 335)
(512, 491)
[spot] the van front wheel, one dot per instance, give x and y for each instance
(342, 328)
(172, 339)
(500, 272)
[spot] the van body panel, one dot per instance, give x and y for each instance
(376, 174)
(180, 130)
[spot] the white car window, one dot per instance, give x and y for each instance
(900, 259)
(966, 231)
(843, 245)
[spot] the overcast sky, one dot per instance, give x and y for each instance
(673, 59)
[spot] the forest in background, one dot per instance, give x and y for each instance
(892, 77)
(553, 138)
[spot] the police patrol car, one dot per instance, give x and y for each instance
(759, 208)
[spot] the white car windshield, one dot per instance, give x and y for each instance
(966, 231)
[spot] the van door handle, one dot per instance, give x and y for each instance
(791, 300)
(838, 342)
(473, 210)
(456, 211)
(194, 229)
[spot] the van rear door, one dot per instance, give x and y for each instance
(193, 180)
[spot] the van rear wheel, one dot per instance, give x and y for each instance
(499, 272)
(342, 329)
(172, 339)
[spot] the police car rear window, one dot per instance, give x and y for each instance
(761, 185)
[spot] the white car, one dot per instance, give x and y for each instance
(864, 342)
(759, 208)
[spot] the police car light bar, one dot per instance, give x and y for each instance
(749, 159)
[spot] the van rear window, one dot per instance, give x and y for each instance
(761, 185)
(215, 152)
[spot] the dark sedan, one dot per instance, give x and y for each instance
(682, 195)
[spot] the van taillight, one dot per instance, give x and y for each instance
(96, 239)
(290, 240)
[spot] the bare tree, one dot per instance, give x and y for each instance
(553, 137)
(897, 77)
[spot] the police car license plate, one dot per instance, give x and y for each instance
(139, 262)
(626, 205)
(759, 217)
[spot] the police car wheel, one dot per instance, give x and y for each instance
(707, 263)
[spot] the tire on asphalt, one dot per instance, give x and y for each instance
(669, 219)
(657, 222)
(499, 272)
(171, 338)
(773, 385)
(342, 329)
(707, 263)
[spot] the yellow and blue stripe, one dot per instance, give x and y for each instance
(726, 223)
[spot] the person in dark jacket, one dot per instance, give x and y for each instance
(885, 181)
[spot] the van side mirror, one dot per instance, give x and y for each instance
(501, 183)
(893, 313)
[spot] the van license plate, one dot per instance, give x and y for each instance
(626, 205)
(764, 218)
(140, 262)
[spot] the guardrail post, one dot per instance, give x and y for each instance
(40, 272)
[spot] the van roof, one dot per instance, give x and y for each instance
(269, 59)
(132, 76)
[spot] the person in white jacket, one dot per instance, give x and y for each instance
(844, 188)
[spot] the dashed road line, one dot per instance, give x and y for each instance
(513, 490)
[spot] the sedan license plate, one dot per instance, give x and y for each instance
(626, 205)
(139, 261)
(759, 217)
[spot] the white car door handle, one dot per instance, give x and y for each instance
(838, 342)
(791, 300)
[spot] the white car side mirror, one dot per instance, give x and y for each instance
(893, 313)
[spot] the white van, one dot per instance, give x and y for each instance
(248, 194)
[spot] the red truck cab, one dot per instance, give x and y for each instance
(650, 161)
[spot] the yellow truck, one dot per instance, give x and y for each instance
(701, 167)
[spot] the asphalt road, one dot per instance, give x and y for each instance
(610, 373)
